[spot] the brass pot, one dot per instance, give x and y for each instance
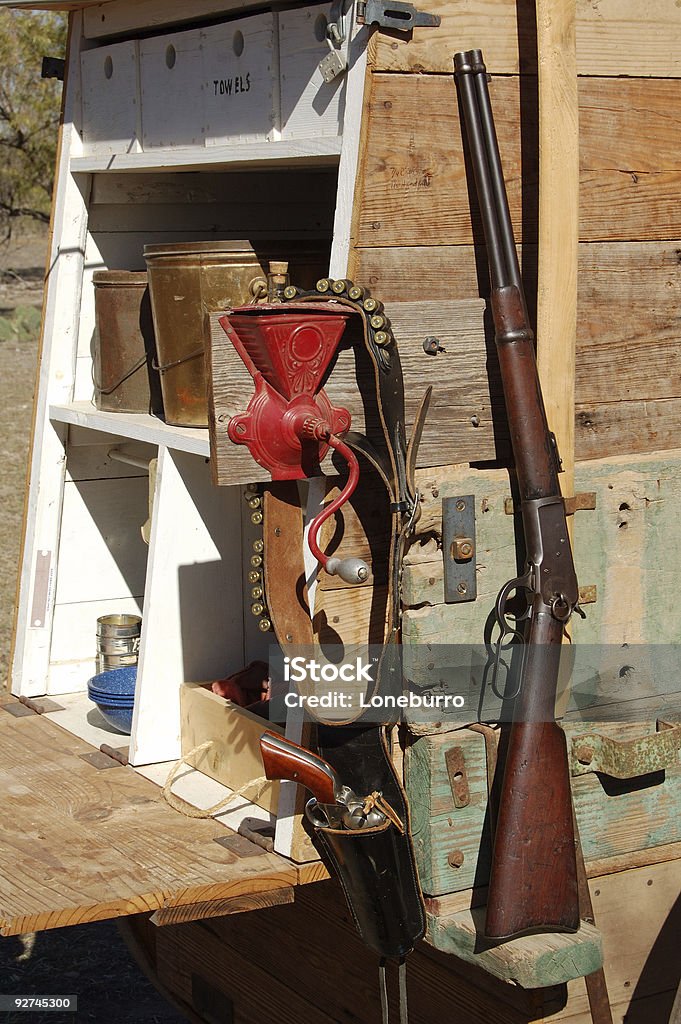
(187, 281)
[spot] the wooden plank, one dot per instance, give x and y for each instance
(558, 223)
(58, 341)
(639, 858)
(99, 845)
(608, 34)
(627, 295)
(130, 16)
(533, 961)
(309, 935)
(629, 160)
(223, 908)
(633, 426)
(306, 153)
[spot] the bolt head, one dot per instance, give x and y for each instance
(462, 549)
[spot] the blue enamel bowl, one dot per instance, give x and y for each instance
(117, 682)
(118, 717)
(107, 698)
(113, 693)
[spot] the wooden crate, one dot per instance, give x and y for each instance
(239, 74)
(310, 107)
(234, 757)
(110, 99)
(615, 818)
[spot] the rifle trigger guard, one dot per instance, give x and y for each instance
(525, 582)
(507, 631)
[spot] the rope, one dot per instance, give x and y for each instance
(184, 807)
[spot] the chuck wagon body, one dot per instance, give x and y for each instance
(191, 122)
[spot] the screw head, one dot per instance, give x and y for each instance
(455, 859)
(462, 587)
(431, 345)
(460, 505)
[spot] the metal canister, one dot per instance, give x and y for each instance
(118, 641)
(187, 281)
(124, 352)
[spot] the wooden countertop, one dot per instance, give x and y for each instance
(81, 844)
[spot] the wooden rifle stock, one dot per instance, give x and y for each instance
(533, 879)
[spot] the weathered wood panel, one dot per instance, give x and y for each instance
(637, 815)
(628, 547)
(100, 845)
(628, 342)
(465, 420)
(229, 955)
(614, 37)
(630, 160)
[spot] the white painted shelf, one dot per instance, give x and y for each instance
(323, 151)
(136, 426)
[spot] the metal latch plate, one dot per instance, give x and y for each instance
(395, 14)
(458, 780)
(626, 759)
(458, 548)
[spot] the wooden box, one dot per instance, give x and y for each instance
(616, 816)
(110, 106)
(171, 83)
(310, 107)
(238, 81)
(234, 757)
(209, 86)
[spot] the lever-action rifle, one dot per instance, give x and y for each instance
(533, 879)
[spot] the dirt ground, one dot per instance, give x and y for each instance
(90, 961)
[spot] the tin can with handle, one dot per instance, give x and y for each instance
(188, 281)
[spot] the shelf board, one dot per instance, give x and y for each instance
(324, 151)
(137, 426)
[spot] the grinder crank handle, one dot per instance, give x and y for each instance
(351, 570)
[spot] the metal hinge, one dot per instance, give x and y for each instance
(394, 14)
(29, 706)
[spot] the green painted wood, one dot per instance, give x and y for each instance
(441, 830)
(615, 817)
(628, 547)
(533, 961)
